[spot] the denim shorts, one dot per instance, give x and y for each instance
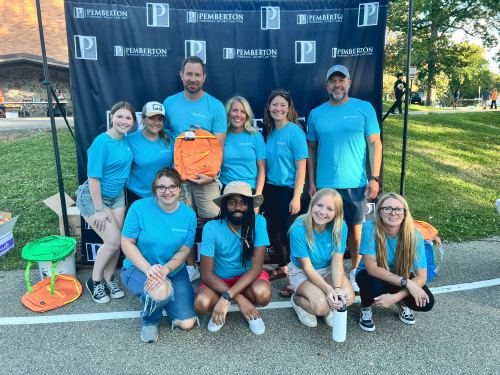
(86, 205)
(354, 204)
(181, 301)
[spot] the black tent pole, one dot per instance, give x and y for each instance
(52, 121)
(407, 101)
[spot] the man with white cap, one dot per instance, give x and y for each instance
(339, 133)
(232, 259)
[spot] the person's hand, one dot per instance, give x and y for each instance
(247, 308)
(100, 219)
(372, 189)
(312, 190)
(385, 300)
(294, 206)
(202, 179)
(220, 311)
(333, 299)
(418, 293)
(155, 277)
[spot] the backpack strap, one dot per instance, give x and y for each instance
(27, 276)
(441, 254)
(53, 277)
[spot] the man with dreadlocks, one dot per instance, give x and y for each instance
(232, 256)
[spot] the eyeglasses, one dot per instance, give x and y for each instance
(280, 90)
(389, 210)
(171, 188)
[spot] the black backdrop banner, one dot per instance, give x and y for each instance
(132, 50)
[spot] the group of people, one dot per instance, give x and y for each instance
(485, 96)
(157, 234)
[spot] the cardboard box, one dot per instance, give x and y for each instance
(74, 220)
(6, 236)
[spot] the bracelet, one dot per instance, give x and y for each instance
(96, 211)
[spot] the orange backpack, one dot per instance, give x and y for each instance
(197, 151)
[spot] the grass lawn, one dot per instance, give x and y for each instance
(452, 176)
(413, 107)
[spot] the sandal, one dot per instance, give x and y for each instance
(287, 291)
(277, 273)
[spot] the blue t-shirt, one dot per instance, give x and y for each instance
(159, 234)
(321, 256)
(207, 112)
(109, 160)
(368, 246)
(241, 152)
(149, 157)
(341, 133)
(283, 148)
(224, 246)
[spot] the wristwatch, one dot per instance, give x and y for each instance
(376, 178)
(226, 296)
(404, 282)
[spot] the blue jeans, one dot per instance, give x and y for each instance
(178, 305)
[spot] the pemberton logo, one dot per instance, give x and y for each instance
(194, 17)
(368, 14)
(352, 52)
(305, 52)
(158, 14)
(139, 51)
(257, 53)
(304, 19)
(100, 13)
(85, 47)
(196, 48)
(270, 18)
(91, 249)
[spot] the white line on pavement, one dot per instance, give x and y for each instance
(135, 314)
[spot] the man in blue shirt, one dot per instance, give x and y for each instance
(339, 134)
(232, 257)
(189, 107)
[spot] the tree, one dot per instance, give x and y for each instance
(434, 21)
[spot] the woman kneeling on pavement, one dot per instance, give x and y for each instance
(393, 269)
(316, 270)
(157, 237)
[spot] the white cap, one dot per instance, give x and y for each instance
(338, 68)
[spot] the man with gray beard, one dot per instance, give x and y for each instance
(339, 132)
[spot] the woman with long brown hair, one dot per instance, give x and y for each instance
(393, 269)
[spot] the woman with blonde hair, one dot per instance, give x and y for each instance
(244, 148)
(316, 269)
(393, 269)
(286, 149)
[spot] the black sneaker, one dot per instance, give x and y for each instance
(113, 289)
(406, 314)
(365, 319)
(97, 291)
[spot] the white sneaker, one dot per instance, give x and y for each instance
(193, 272)
(305, 318)
(328, 319)
(354, 284)
(212, 327)
(257, 326)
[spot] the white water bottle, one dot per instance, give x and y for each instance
(339, 329)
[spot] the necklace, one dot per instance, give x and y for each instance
(236, 232)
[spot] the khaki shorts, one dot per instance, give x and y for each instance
(297, 276)
(200, 198)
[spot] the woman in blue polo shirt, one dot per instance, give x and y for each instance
(101, 199)
(316, 269)
(244, 148)
(286, 150)
(152, 150)
(393, 269)
(157, 237)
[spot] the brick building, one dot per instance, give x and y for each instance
(21, 67)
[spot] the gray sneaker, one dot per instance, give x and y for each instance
(97, 291)
(113, 289)
(406, 314)
(366, 320)
(149, 333)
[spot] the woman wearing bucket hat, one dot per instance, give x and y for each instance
(286, 149)
(101, 199)
(244, 148)
(152, 149)
(316, 269)
(394, 268)
(232, 256)
(157, 237)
